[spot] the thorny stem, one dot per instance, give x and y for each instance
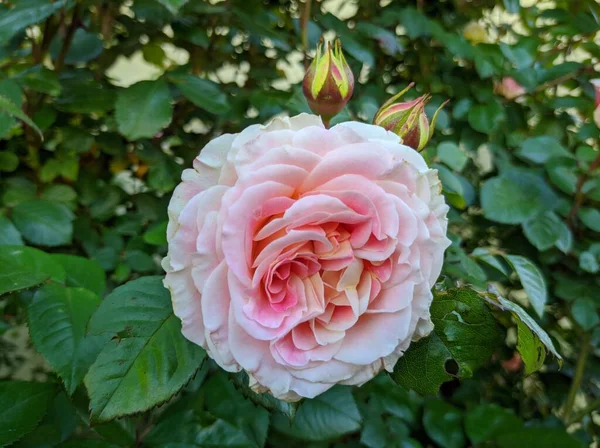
(304, 30)
(579, 370)
(579, 196)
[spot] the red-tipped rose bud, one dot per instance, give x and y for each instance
(408, 119)
(329, 82)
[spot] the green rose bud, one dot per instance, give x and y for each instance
(329, 82)
(408, 119)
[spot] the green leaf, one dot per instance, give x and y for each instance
(57, 318)
(518, 55)
(486, 421)
(451, 155)
(173, 5)
(443, 424)
(327, 416)
(44, 223)
(453, 188)
(86, 46)
(224, 401)
(9, 161)
(24, 267)
(265, 400)
(532, 341)
(88, 443)
(139, 261)
(60, 422)
(7, 106)
(588, 262)
(585, 313)
(22, 406)
(541, 149)
(537, 438)
(9, 235)
(202, 92)
(59, 193)
(590, 217)
(563, 174)
(532, 280)
(464, 338)
(12, 91)
(544, 230)
(149, 362)
(515, 197)
(40, 79)
(486, 118)
(565, 241)
(143, 109)
(86, 98)
(25, 13)
(157, 234)
(82, 272)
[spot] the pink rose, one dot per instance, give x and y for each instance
(509, 88)
(305, 256)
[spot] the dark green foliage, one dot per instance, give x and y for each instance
(104, 103)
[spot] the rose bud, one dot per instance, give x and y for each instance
(509, 88)
(596, 84)
(329, 82)
(408, 119)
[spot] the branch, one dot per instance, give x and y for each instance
(579, 370)
(75, 23)
(579, 196)
(304, 30)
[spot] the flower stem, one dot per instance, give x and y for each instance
(579, 370)
(579, 195)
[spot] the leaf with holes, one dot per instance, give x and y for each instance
(532, 341)
(57, 318)
(149, 360)
(464, 338)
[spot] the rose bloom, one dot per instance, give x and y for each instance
(306, 256)
(509, 88)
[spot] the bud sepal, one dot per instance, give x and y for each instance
(408, 119)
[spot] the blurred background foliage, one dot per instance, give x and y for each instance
(125, 95)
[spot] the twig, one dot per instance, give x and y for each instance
(579, 370)
(75, 23)
(594, 405)
(579, 196)
(304, 30)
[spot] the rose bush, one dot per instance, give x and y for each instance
(306, 255)
(103, 104)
